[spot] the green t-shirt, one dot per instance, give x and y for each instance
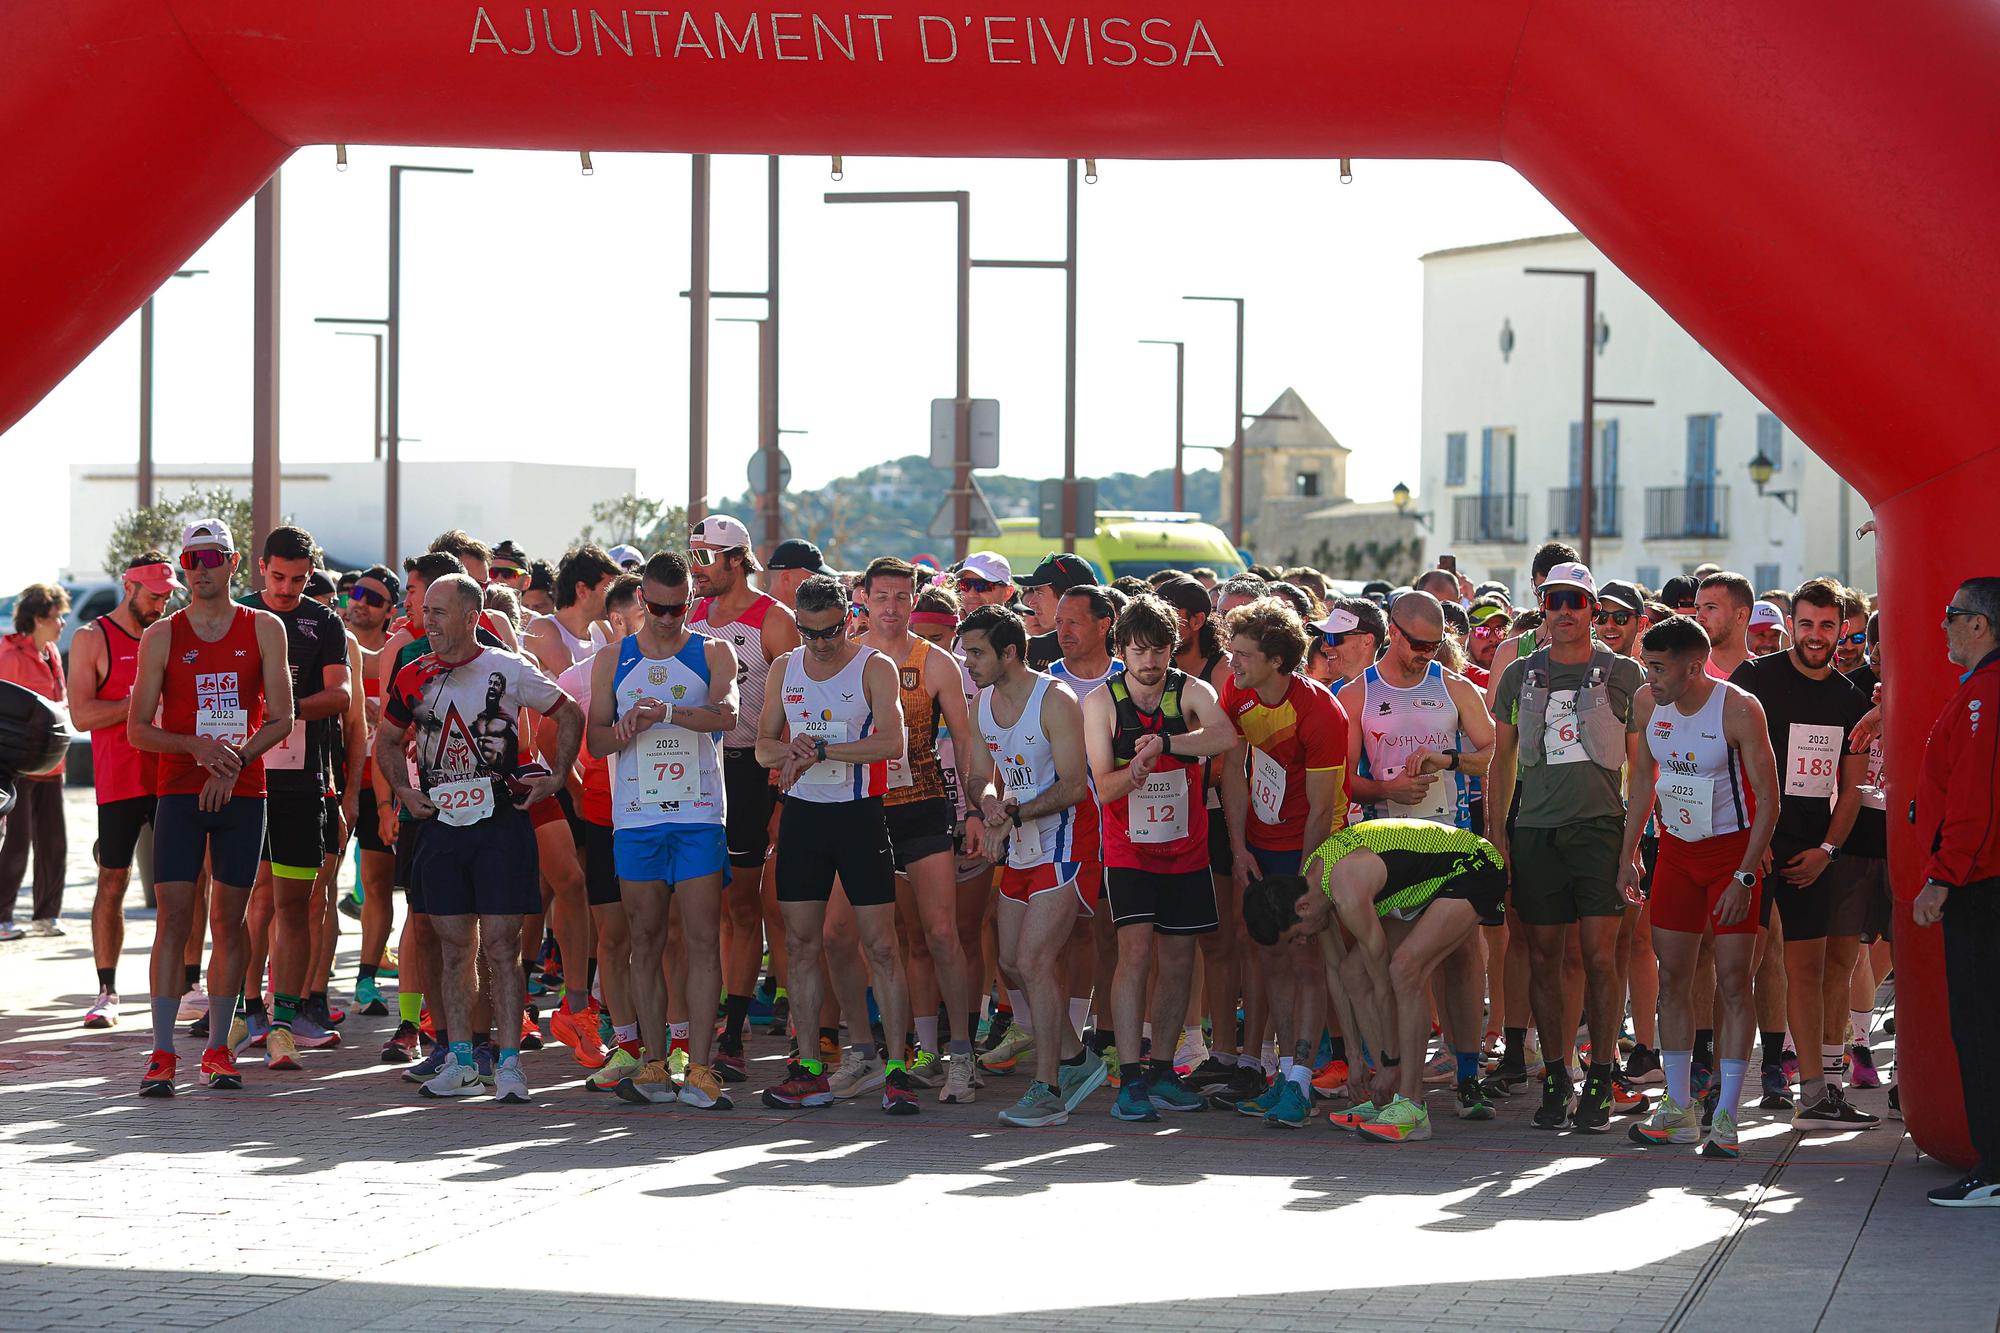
(1566, 786)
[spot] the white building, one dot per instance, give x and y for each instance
(541, 506)
(1502, 399)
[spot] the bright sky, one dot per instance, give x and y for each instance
(542, 318)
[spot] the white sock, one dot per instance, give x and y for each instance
(1863, 1022)
(1302, 1076)
(1285, 1066)
(677, 1031)
(927, 1033)
(1018, 1001)
(1079, 1014)
(1146, 1030)
(1191, 1034)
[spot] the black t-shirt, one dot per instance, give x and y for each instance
(1811, 722)
(1043, 650)
(1871, 825)
(314, 640)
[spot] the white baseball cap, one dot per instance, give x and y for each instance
(212, 533)
(1571, 574)
(726, 533)
(626, 555)
(1766, 616)
(1338, 621)
(988, 565)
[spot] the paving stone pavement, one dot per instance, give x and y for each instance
(334, 1198)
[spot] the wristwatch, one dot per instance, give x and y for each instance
(1452, 756)
(819, 747)
(1832, 852)
(1747, 878)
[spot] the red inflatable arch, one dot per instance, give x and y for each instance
(1812, 190)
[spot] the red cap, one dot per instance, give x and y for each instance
(158, 577)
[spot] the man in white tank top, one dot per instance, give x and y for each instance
(1405, 717)
(1083, 618)
(831, 722)
(1715, 779)
(1025, 782)
(658, 701)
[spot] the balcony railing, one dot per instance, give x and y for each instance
(1687, 511)
(1489, 518)
(1566, 510)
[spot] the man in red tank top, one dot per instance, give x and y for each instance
(212, 695)
(103, 663)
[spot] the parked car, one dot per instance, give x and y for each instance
(87, 601)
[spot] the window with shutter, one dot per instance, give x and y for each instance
(1454, 458)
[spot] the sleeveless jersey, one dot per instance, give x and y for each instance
(1422, 858)
(593, 774)
(1394, 723)
(917, 774)
(746, 635)
(1089, 818)
(212, 689)
(838, 711)
(120, 771)
(1163, 826)
(1081, 686)
(667, 775)
(1026, 763)
(1702, 790)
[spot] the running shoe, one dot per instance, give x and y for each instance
(194, 1004)
(219, 1071)
(1168, 1093)
(781, 1017)
(1975, 1189)
(1401, 1121)
(1245, 1083)
(1671, 1123)
(1643, 1066)
(246, 1031)
(1264, 1102)
(1077, 1081)
(1832, 1111)
(1700, 1077)
(1003, 1055)
(578, 1031)
(10, 931)
(1360, 1113)
(45, 926)
(280, 1050)
(925, 1070)
(1210, 1074)
(1441, 1069)
(1777, 1088)
(324, 1013)
(403, 1047)
(730, 1066)
(510, 1085)
(311, 1035)
(1889, 1026)
(454, 1080)
(1861, 1071)
(1330, 1079)
(349, 906)
(1293, 1108)
(1625, 1099)
(1472, 1103)
(1189, 1052)
(1109, 1055)
(1134, 1104)
(958, 1087)
(199, 1028)
(652, 1085)
(998, 1025)
(1789, 1058)
(859, 1072)
(1508, 1075)
(387, 968)
(1553, 1113)
(103, 1014)
(427, 1024)
(531, 1031)
(703, 1090)
(1721, 1141)
(799, 1089)
(158, 1080)
(1040, 1105)
(678, 1060)
(1709, 1101)
(427, 1068)
(617, 1067)
(368, 998)
(898, 1097)
(482, 1061)
(1593, 1106)
(829, 1052)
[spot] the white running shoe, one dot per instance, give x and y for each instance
(46, 925)
(958, 1088)
(1191, 1051)
(454, 1080)
(510, 1085)
(193, 1004)
(857, 1074)
(103, 1014)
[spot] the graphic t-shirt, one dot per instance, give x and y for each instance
(465, 716)
(1305, 732)
(1567, 786)
(314, 640)
(1811, 722)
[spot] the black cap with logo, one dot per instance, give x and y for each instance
(795, 553)
(1062, 571)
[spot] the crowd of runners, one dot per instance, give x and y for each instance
(1240, 845)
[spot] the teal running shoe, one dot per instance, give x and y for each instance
(1134, 1103)
(1264, 1102)
(1078, 1081)
(1168, 1093)
(368, 998)
(1293, 1107)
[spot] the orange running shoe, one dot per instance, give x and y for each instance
(1330, 1079)
(531, 1033)
(219, 1071)
(578, 1031)
(427, 1025)
(159, 1077)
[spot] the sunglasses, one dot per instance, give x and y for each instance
(1335, 640)
(830, 632)
(507, 572)
(1619, 618)
(666, 610)
(1416, 644)
(206, 558)
(1859, 636)
(1566, 599)
(971, 584)
(1489, 630)
(1952, 613)
(705, 556)
(368, 597)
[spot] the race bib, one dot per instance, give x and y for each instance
(1562, 738)
(223, 724)
(1024, 844)
(1158, 811)
(1872, 794)
(827, 772)
(669, 766)
(1267, 786)
(466, 801)
(1812, 761)
(289, 753)
(1687, 806)
(1439, 804)
(899, 768)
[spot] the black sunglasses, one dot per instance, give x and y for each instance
(1619, 618)
(1952, 613)
(368, 596)
(666, 610)
(832, 631)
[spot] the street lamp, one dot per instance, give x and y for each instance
(146, 392)
(1236, 443)
(1761, 469)
(1401, 496)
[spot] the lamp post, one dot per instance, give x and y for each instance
(1236, 444)
(1180, 415)
(1761, 469)
(1401, 497)
(146, 392)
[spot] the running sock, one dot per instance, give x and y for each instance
(1515, 1051)
(1732, 1086)
(461, 1051)
(367, 972)
(813, 1068)
(254, 1007)
(1077, 1059)
(509, 1053)
(1227, 1059)
(1302, 1075)
(410, 1006)
(1079, 1013)
(1191, 1034)
(190, 978)
(1831, 1053)
(677, 1037)
(961, 1048)
(893, 1067)
(1285, 1065)
(107, 978)
(1704, 1047)
(1338, 1045)
(735, 1012)
(1468, 1064)
(1130, 1071)
(1017, 1008)
(164, 1009)
(284, 1008)
(927, 1034)
(221, 1013)
(317, 1002)
(1862, 1021)
(626, 1037)
(1680, 1076)
(1774, 1047)
(569, 1002)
